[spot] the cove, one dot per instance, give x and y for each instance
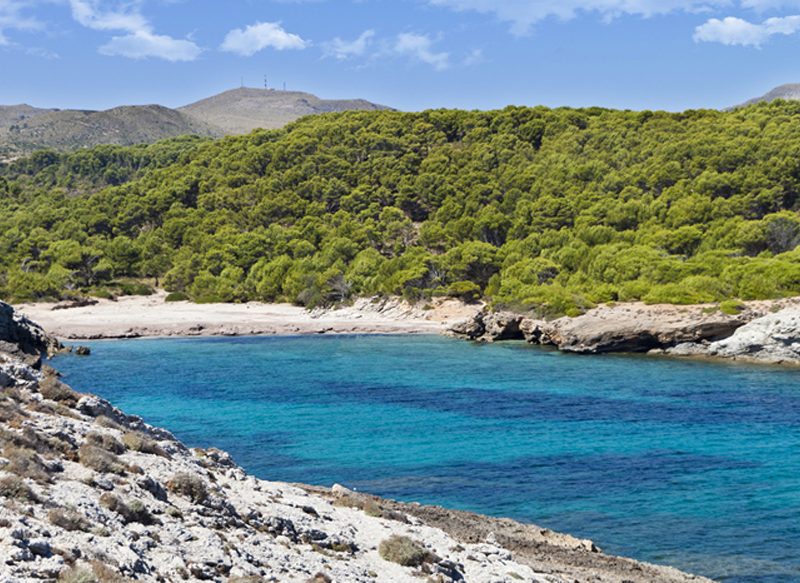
(684, 463)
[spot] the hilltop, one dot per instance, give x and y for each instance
(24, 128)
(243, 110)
(789, 92)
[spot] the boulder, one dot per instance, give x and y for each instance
(470, 329)
(23, 338)
(774, 338)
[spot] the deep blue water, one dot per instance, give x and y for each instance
(690, 464)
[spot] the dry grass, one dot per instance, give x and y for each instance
(15, 488)
(136, 441)
(25, 463)
(133, 511)
(54, 390)
(403, 551)
(100, 460)
(68, 519)
(106, 442)
(189, 486)
(96, 572)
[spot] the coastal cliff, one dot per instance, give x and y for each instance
(767, 332)
(89, 493)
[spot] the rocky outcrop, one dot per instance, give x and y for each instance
(23, 338)
(489, 326)
(88, 493)
(639, 328)
(774, 338)
(620, 328)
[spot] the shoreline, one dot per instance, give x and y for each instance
(152, 317)
(109, 478)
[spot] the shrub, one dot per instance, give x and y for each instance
(53, 389)
(68, 519)
(77, 575)
(25, 463)
(403, 551)
(106, 442)
(100, 460)
(177, 297)
(188, 485)
(15, 488)
(138, 442)
(731, 307)
(133, 511)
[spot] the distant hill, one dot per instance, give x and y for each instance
(790, 91)
(24, 128)
(240, 111)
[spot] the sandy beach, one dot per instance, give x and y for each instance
(151, 316)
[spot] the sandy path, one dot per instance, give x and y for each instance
(130, 317)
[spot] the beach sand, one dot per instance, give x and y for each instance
(151, 316)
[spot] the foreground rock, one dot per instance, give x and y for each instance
(771, 339)
(88, 493)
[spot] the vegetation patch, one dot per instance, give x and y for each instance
(69, 519)
(100, 460)
(132, 511)
(548, 210)
(15, 488)
(136, 441)
(189, 486)
(404, 551)
(106, 442)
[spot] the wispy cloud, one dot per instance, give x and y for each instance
(523, 14)
(737, 31)
(139, 40)
(344, 49)
(14, 16)
(260, 36)
(420, 48)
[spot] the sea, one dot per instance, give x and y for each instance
(684, 463)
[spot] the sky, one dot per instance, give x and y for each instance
(408, 54)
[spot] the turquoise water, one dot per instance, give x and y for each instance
(690, 464)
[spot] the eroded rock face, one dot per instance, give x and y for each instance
(774, 338)
(23, 338)
(488, 326)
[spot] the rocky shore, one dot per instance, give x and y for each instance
(767, 332)
(90, 494)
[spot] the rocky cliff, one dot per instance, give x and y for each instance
(756, 333)
(90, 494)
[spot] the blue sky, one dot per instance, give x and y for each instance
(410, 54)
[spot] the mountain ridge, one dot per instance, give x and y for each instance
(25, 128)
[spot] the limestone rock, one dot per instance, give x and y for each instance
(774, 338)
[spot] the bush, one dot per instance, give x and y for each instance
(53, 389)
(100, 460)
(177, 297)
(15, 488)
(77, 575)
(731, 307)
(68, 519)
(133, 511)
(25, 463)
(403, 551)
(137, 442)
(106, 442)
(189, 486)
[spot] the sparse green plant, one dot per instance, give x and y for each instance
(732, 307)
(189, 486)
(68, 519)
(403, 551)
(25, 463)
(100, 460)
(136, 441)
(53, 389)
(77, 575)
(105, 441)
(132, 511)
(15, 488)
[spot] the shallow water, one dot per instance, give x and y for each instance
(690, 464)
